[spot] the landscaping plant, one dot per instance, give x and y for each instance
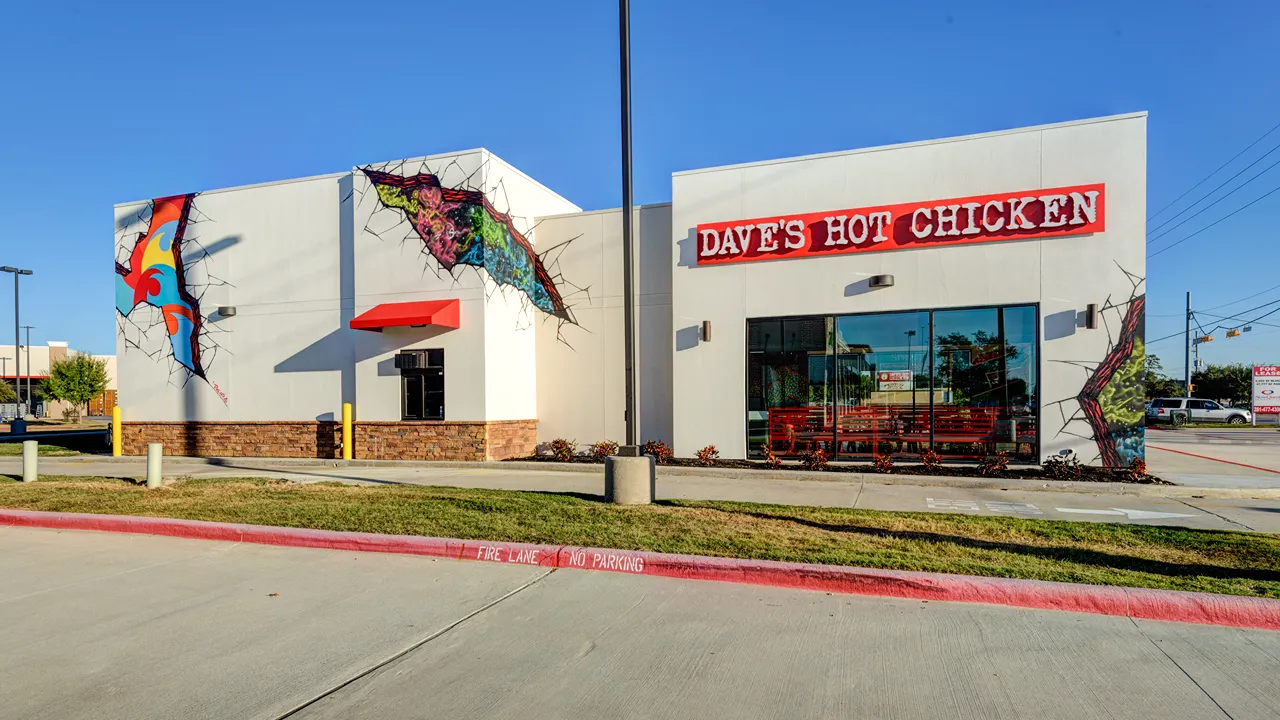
(562, 449)
(930, 460)
(1137, 470)
(816, 459)
(883, 463)
(1063, 467)
(661, 452)
(708, 455)
(995, 464)
(603, 449)
(770, 458)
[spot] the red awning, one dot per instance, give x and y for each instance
(441, 313)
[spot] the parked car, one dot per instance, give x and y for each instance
(1164, 410)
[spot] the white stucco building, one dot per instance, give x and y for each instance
(972, 295)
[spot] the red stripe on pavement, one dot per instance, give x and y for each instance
(1206, 457)
(1169, 605)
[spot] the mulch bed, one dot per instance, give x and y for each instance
(1087, 473)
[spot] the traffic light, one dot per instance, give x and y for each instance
(1191, 387)
(1232, 333)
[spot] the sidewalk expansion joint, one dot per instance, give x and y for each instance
(406, 651)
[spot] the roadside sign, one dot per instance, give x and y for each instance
(894, 379)
(1266, 390)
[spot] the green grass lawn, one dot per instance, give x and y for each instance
(1098, 553)
(14, 449)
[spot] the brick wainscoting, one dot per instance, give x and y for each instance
(497, 440)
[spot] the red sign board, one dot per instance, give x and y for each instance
(1053, 212)
(894, 375)
(1266, 389)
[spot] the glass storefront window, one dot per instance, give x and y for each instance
(881, 382)
(963, 382)
(788, 398)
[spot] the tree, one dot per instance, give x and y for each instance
(77, 380)
(1229, 383)
(1157, 384)
(7, 394)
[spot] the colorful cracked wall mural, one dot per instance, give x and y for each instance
(1111, 402)
(461, 227)
(154, 269)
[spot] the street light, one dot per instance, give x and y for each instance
(17, 358)
(28, 329)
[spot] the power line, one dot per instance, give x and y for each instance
(1250, 297)
(1272, 191)
(1215, 172)
(1254, 322)
(1245, 312)
(1228, 194)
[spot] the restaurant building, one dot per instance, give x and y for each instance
(968, 295)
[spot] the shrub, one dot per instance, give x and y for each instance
(930, 460)
(660, 451)
(1137, 470)
(562, 449)
(883, 463)
(1063, 467)
(604, 449)
(708, 455)
(770, 458)
(816, 459)
(995, 464)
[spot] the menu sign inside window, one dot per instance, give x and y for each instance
(1053, 212)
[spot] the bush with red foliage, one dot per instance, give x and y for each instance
(562, 449)
(660, 451)
(770, 458)
(930, 460)
(603, 449)
(708, 455)
(883, 463)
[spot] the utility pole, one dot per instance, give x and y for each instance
(17, 356)
(1187, 343)
(29, 403)
(628, 299)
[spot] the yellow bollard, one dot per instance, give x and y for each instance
(116, 450)
(346, 431)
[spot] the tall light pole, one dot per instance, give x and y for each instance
(29, 403)
(1186, 339)
(17, 357)
(628, 300)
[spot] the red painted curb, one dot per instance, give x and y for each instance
(1171, 605)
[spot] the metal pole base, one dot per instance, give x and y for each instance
(629, 480)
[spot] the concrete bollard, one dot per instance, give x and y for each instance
(629, 480)
(154, 452)
(30, 458)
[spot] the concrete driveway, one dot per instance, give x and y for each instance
(103, 626)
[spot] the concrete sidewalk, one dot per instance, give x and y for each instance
(1223, 509)
(104, 626)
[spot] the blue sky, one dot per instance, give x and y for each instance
(108, 102)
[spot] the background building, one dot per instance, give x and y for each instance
(37, 368)
(936, 294)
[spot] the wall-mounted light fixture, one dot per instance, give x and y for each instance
(1091, 316)
(704, 333)
(227, 311)
(881, 281)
